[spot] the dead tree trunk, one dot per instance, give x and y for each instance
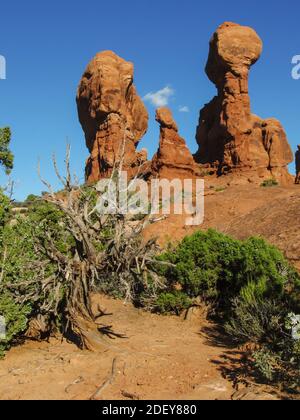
(120, 254)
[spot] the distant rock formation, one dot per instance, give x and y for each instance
(111, 114)
(230, 138)
(173, 158)
(297, 162)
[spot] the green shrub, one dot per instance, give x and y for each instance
(279, 363)
(5, 208)
(21, 296)
(253, 290)
(265, 363)
(268, 324)
(268, 183)
(15, 317)
(6, 156)
(32, 198)
(255, 321)
(173, 302)
(218, 268)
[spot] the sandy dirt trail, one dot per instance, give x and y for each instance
(162, 357)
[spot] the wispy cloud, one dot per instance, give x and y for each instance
(184, 109)
(161, 97)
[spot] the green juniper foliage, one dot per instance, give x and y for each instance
(218, 268)
(6, 156)
(173, 302)
(252, 289)
(21, 294)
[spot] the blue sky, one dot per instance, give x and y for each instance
(47, 46)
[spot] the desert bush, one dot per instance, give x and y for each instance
(5, 208)
(265, 363)
(16, 319)
(255, 321)
(175, 302)
(251, 288)
(219, 268)
(14, 314)
(6, 156)
(280, 366)
(277, 359)
(268, 324)
(26, 267)
(268, 183)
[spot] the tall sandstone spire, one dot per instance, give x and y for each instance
(230, 138)
(173, 158)
(112, 115)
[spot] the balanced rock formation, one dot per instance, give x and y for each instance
(112, 115)
(173, 158)
(230, 138)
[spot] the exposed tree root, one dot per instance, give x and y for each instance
(96, 396)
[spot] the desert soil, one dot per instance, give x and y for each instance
(160, 357)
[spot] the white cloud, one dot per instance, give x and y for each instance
(184, 109)
(161, 97)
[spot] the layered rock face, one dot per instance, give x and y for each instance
(112, 115)
(173, 158)
(230, 138)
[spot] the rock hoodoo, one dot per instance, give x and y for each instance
(112, 115)
(297, 162)
(173, 158)
(231, 138)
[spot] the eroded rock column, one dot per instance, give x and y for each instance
(230, 138)
(112, 115)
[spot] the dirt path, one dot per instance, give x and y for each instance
(160, 358)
